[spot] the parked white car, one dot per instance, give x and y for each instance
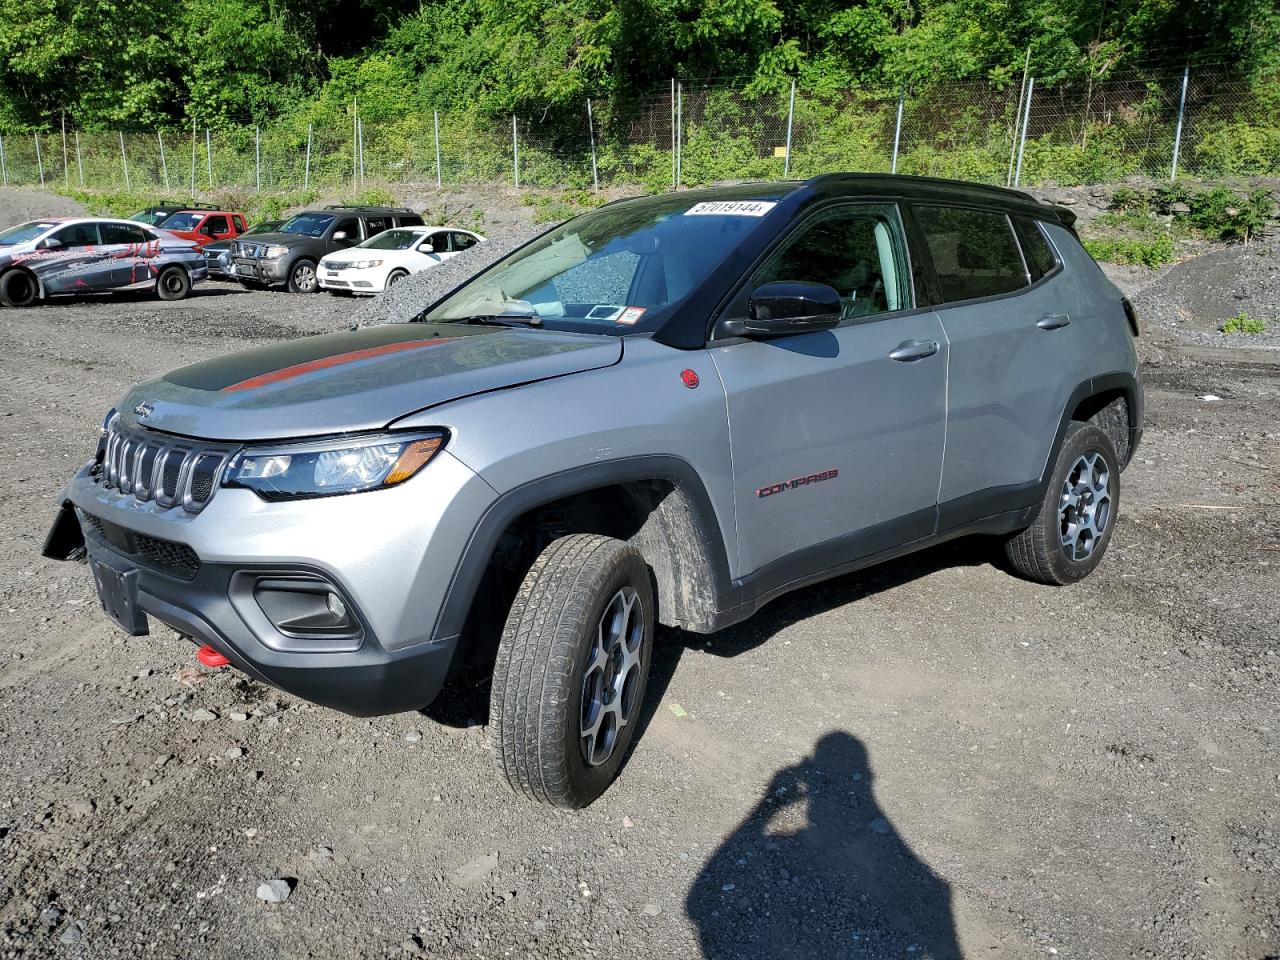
(387, 258)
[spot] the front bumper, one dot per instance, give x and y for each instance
(264, 271)
(379, 550)
(355, 281)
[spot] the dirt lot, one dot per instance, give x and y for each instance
(932, 759)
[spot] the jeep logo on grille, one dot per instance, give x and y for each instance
(144, 410)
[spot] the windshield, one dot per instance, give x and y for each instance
(266, 226)
(151, 217)
(24, 232)
(181, 221)
(606, 270)
(393, 240)
(309, 224)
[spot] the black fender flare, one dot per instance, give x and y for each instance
(1122, 380)
(470, 568)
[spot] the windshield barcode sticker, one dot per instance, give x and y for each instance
(731, 208)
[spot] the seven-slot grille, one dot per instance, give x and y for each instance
(169, 470)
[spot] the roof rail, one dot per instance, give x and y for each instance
(366, 206)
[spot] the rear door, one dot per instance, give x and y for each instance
(1011, 360)
(837, 445)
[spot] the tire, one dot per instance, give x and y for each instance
(172, 283)
(18, 289)
(395, 277)
(302, 276)
(1078, 513)
(541, 679)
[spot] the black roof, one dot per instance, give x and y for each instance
(898, 186)
(364, 208)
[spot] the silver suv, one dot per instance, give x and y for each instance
(669, 410)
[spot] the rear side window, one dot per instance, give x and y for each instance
(408, 220)
(1035, 247)
(461, 241)
(123, 233)
(974, 252)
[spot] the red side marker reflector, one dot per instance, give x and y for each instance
(211, 657)
(689, 378)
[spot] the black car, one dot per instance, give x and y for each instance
(218, 254)
(152, 216)
(288, 257)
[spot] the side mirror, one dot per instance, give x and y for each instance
(52, 243)
(340, 235)
(785, 307)
(426, 246)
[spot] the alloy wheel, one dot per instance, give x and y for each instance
(612, 676)
(1085, 506)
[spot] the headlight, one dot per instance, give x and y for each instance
(300, 470)
(365, 264)
(275, 251)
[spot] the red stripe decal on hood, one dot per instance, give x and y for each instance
(337, 360)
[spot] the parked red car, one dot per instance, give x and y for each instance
(204, 226)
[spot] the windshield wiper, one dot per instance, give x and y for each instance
(504, 320)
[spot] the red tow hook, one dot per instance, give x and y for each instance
(211, 657)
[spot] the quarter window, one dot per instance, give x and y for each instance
(859, 251)
(1035, 247)
(974, 252)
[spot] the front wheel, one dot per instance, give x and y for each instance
(172, 284)
(572, 666)
(18, 289)
(395, 277)
(302, 277)
(1078, 513)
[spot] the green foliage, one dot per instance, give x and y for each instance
(1243, 323)
(1148, 253)
(1224, 215)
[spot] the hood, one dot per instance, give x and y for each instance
(275, 236)
(357, 381)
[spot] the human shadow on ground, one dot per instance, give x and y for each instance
(817, 871)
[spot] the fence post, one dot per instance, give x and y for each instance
(1177, 136)
(164, 163)
(679, 132)
(591, 131)
(791, 113)
(515, 150)
(4, 165)
(66, 165)
(673, 133)
(39, 160)
(193, 158)
(257, 158)
(208, 155)
(360, 138)
(1026, 117)
(897, 133)
(355, 127)
(306, 173)
(1017, 117)
(79, 159)
(436, 117)
(124, 162)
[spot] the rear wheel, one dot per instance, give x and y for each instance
(302, 277)
(572, 666)
(1078, 513)
(18, 289)
(395, 277)
(173, 284)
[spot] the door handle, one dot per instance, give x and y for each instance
(1053, 321)
(914, 350)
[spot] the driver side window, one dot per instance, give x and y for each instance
(77, 235)
(857, 250)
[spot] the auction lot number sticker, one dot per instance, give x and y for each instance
(731, 208)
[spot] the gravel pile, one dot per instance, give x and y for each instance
(1195, 297)
(20, 204)
(412, 295)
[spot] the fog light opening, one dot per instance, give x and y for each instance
(337, 608)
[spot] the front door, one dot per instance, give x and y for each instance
(837, 434)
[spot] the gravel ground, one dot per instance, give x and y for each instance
(1194, 297)
(929, 759)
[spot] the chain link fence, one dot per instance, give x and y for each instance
(1205, 123)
